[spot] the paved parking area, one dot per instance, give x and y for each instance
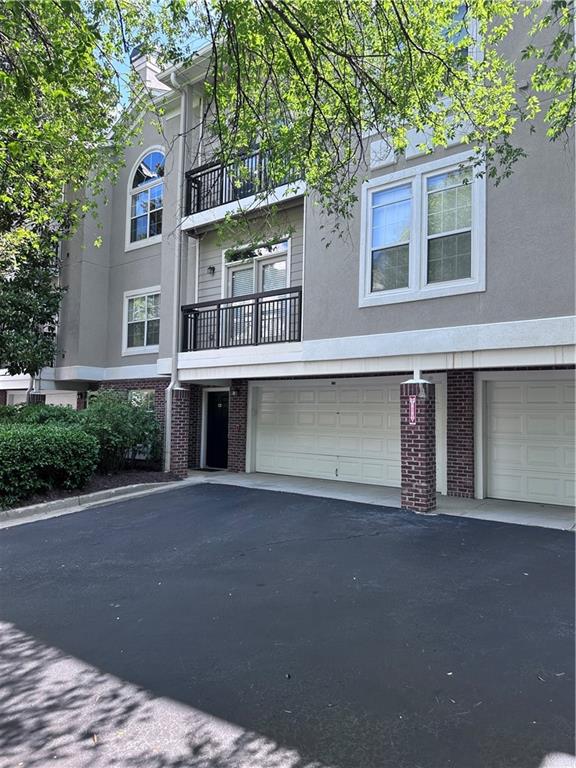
(222, 627)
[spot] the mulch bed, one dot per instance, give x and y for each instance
(103, 483)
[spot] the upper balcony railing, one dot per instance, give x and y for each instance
(271, 317)
(214, 184)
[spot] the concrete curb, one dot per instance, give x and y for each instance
(48, 509)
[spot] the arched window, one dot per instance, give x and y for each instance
(146, 197)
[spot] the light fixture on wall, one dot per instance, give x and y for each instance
(211, 269)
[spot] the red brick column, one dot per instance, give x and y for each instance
(36, 398)
(418, 446)
(195, 426)
(3, 397)
(180, 434)
(237, 425)
(460, 434)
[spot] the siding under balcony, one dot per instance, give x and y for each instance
(215, 190)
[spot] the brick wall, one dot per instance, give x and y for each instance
(180, 436)
(3, 397)
(418, 448)
(195, 434)
(460, 434)
(237, 425)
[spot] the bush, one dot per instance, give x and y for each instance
(8, 413)
(41, 414)
(38, 457)
(37, 414)
(121, 427)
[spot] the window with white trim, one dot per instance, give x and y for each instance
(423, 233)
(142, 322)
(266, 269)
(146, 198)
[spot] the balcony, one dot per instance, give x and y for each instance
(215, 186)
(273, 317)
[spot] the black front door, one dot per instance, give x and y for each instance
(217, 430)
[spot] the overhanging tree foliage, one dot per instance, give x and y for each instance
(59, 94)
(304, 80)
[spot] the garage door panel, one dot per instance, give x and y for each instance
(530, 442)
(543, 394)
(544, 456)
(339, 432)
(546, 425)
(502, 424)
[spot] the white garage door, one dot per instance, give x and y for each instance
(530, 441)
(346, 431)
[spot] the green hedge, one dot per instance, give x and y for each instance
(122, 428)
(38, 457)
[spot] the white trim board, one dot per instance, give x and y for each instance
(548, 341)
(246, 205)
(93, 373)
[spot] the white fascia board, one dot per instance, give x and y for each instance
(244, 206)
(535, 356)
(92, 373)
(544, 332)
(548, 341)
(21, 381)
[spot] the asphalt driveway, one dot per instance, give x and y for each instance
(223, 627)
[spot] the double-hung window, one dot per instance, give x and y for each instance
(141, 321)
(423, 233)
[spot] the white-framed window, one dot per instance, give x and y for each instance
(267, 269)
(423, 232)
(263, 270)
(146, 200)
(141, 333)
(143, 397)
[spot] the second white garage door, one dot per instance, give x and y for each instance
(345, 431)
(530, 441)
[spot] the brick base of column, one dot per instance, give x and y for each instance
(36, 398)
(460, 434)
(180, 433)
(237, 425)
(418, 446)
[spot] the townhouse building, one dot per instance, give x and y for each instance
(431, 349)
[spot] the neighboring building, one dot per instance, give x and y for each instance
(291, 358)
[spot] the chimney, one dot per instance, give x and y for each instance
(148, 70)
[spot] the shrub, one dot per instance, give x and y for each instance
(38, 457)
(40, 414)
(121, 427)
(8, 413)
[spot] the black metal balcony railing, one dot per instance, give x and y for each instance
(213, 184)
(272, 317)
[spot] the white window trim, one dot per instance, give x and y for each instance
(128, 245)
(126, 350)
(228, 267)
(418, 288)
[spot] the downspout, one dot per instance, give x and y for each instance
(174, 382)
